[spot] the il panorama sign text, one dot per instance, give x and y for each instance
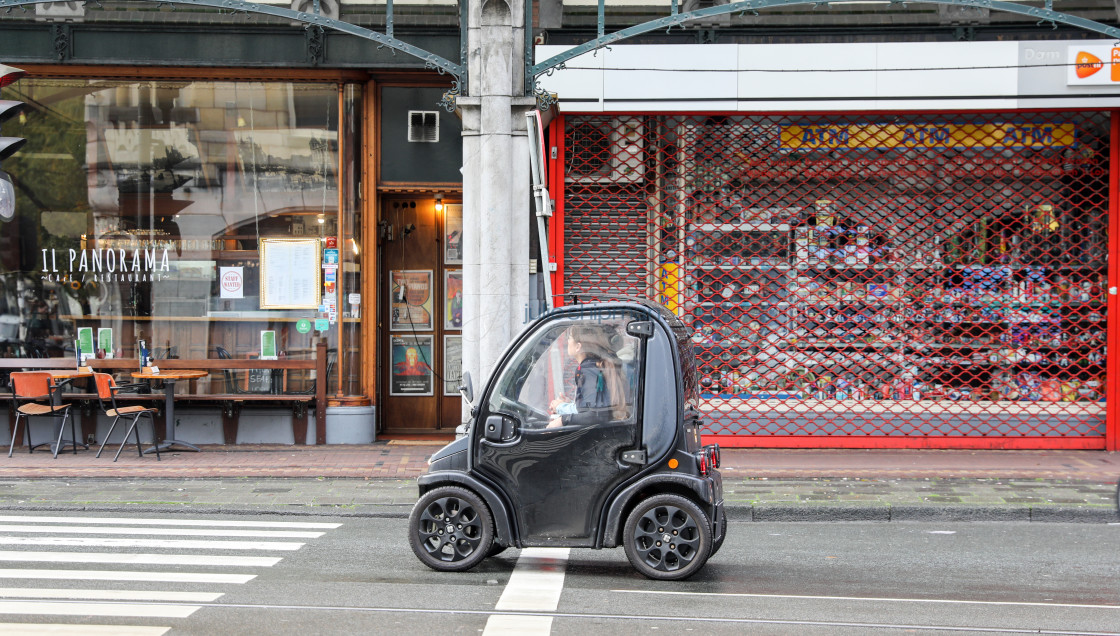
(105, 266)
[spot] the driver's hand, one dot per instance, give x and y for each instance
(554, 404)
(556, 422)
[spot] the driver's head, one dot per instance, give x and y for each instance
(588, 341)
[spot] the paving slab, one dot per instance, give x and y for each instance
(759, 485)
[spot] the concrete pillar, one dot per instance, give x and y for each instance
(495, 184)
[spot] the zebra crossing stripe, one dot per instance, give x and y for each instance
(534, 586)
(183, 532)
(66, 608)
(110, 575)
(142, 521)
(137, 559)
(63, 629)
(188, 544)
(109, 595)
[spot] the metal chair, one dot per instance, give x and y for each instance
(32, 388)
(232, 386)
(107, 389)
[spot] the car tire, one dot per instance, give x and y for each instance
(718, 543)
(451, 529)
(667, 537)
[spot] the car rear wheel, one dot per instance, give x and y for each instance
(667, 537)
(450, 529)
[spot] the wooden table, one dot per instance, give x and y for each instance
(169, 377)
(69, 374)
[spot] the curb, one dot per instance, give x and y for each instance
(735, 513)
(295, 510)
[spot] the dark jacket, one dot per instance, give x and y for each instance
(593, 395)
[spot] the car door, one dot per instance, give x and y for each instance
(556, 470)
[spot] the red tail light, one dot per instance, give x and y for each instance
(715, 456)
(702, 461)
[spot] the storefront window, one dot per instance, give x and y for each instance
(893, 275)
(143, 206)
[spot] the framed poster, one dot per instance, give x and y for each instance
(411, 300)
(412, 370)
(453, 299)
(452, 364)
(453, 234)
(290, 270)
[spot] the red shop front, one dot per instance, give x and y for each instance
(925, 280)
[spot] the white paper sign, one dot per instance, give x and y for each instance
(290, 274)
(231, 280)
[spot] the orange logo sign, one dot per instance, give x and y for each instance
(1115, 64)
(1087, 63)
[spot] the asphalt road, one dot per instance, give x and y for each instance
(357, 575)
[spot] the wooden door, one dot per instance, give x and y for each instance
(417, 316)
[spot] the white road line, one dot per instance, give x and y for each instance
(189, 544)
(65, 608)
(869, 598)
(534, 586)
(181, 532)
(110, 595)
(536, 582)
(109, 575)
(141, 521)
(30, 629)
(133, 559)
(514, 625)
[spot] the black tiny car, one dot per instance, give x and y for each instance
(586, 436)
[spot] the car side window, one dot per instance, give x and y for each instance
(573, 373)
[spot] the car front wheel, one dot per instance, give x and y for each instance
(450, 529)
(667, 537)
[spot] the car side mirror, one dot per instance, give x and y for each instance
(498, 428)
(467, 389)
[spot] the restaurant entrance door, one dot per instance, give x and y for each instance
(421, 318)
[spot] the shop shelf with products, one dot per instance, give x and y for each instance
(736, 274)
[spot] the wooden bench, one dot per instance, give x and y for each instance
(231, 403)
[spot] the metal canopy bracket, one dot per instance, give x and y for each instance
(1045, 15)
(316, 21)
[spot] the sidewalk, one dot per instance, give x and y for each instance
(760, 484)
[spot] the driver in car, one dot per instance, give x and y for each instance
(600, 391)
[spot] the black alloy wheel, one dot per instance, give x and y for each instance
(667, 537)
(450, 529)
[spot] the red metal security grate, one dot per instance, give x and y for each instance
(896, 276)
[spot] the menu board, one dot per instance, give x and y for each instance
(290, 270)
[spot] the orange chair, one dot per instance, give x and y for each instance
(32, 388)
(107, 390)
